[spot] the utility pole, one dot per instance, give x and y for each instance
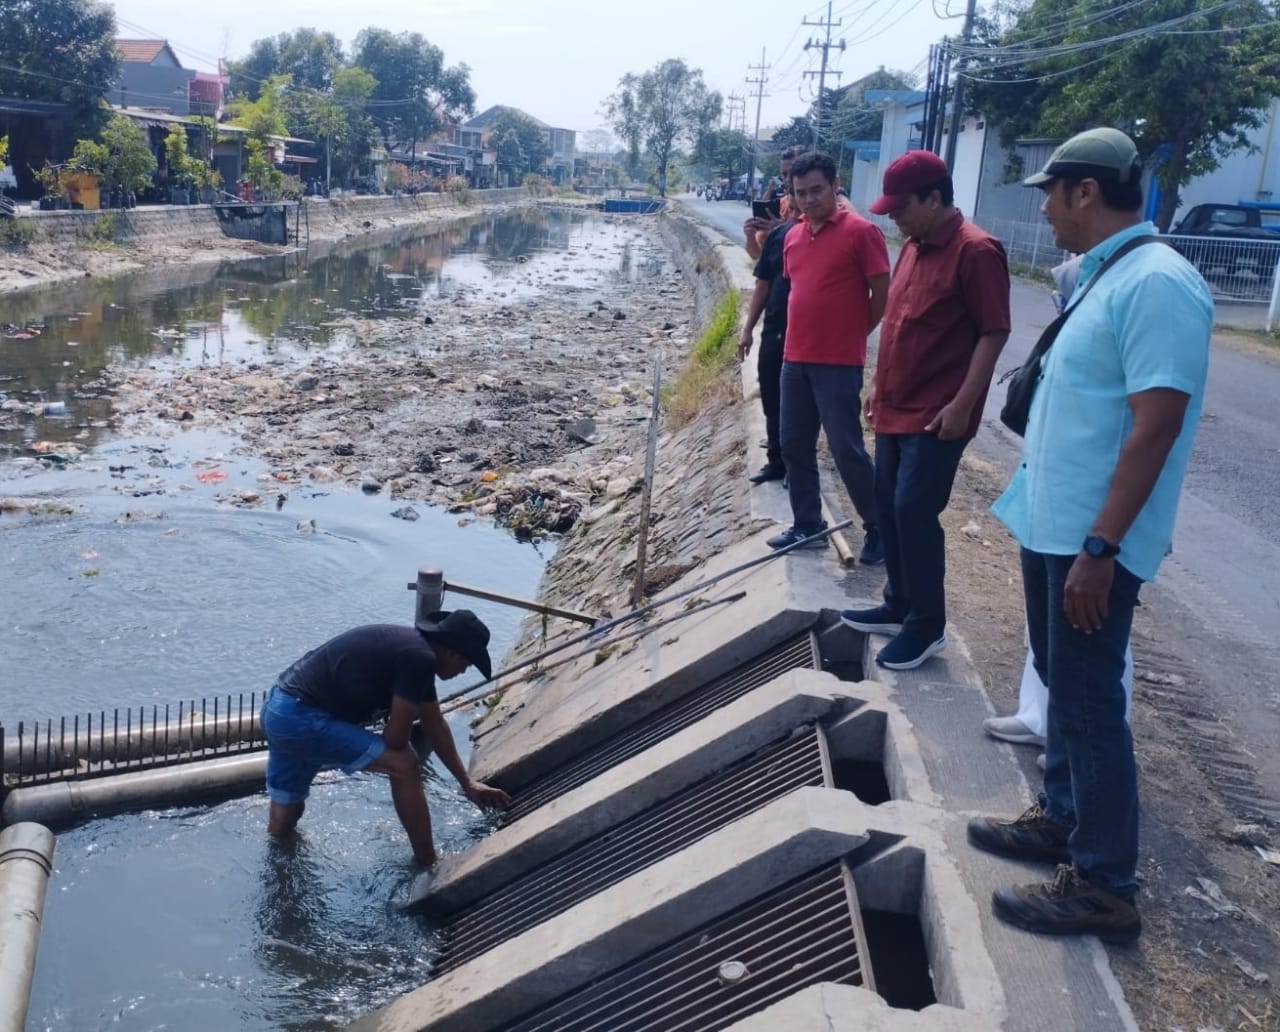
(758, 82)
(827, 46)
(957, 98)
(733, 102)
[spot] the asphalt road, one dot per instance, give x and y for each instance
(1217, 598)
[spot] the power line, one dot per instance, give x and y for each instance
(826, 47)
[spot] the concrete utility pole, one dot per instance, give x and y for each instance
(826, 46)
(758, 82)
(733, 103)
(957, 98)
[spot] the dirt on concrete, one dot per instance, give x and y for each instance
(1204, 962)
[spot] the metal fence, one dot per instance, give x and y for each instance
(1028, 244)
(119, 740)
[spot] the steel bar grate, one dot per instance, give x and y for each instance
(801, 934)
(800, 651)
(636, 843)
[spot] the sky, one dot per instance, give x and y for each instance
(559, 60)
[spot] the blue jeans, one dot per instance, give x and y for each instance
(914, 475)
(1090, 777)
(826, 397)
(303, 740)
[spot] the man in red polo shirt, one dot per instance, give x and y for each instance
(838, 267)
(944, 326)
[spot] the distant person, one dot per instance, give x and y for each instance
(838, 266)
(313, 717)
(945, 323)
(1092, 505)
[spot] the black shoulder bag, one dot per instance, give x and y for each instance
(1022, 386)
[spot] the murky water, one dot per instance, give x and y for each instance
(150, 591)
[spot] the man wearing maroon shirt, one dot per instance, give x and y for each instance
(838, 266)
(946, 320)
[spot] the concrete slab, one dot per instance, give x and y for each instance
(846, 1008)
(799, 832)
(1051, 984)
(760, 717)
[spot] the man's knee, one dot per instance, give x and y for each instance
(397, 764)
(282, 818)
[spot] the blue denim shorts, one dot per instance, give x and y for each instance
(304, 740)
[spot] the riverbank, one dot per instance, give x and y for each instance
(68, 246)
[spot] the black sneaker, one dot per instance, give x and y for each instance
(1068, 905)
(769, 471)
(876, 620)
(872, 553)
(1033, 836)
(908, 650)
(792, 535)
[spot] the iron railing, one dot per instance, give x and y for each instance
(118, 740)
(806, 932)
(1239, 270)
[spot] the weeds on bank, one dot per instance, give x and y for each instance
(708, 371)
(1032, 272)
(17, 233)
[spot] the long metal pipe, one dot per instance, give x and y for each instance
(26, 861)
(62, 803)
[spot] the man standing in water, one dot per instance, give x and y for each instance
(314, 717)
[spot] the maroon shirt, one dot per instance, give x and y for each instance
(947, 290)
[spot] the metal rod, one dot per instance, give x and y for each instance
(512, 600)
(635, 614)
(650, 457)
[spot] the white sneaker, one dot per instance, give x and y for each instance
(1011, 729)
(1040, 761)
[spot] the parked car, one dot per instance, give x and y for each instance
(1230, 240)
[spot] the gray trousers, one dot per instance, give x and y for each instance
(826, 397)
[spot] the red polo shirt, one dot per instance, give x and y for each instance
(829, 309)
(947, 290)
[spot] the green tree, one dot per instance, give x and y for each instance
(338, 117)
(854, 118)
(311, 59)
(725, 152)
(415, 92)
(796, 133)
(129, 161)
(58, 50)
(531, 137)
(182, 166)
(661, 107)
(1188, 80)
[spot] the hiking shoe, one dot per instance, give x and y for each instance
(1032, 836)
(907, 651)
(877, 620)
(769, 471)
(1068, 905)
(872, 553)
(793, 534)
(1011, 729)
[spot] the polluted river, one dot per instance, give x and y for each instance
(205, 474)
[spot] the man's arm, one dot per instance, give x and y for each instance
(1157, 421)
(952, 420)
(759, 297)
(442, 744)
(879, 287)
(755, 230)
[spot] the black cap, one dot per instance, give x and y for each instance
(462, 631)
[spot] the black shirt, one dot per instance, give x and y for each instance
(769, 267)
(354, 675)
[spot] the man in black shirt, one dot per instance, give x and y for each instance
(314, 715)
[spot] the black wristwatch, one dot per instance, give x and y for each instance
(1100, 547)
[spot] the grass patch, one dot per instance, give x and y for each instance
(709, 370)
(16, 232)
(1032, 272)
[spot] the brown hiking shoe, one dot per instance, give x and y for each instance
(1068, 905)
(1031, 836)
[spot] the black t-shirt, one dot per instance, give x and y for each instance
(354, 675)
(769, 267)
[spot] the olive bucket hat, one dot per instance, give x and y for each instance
(462, 631)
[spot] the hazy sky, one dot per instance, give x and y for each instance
(558, 60)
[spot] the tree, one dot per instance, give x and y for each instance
(1189, 84)
(797, 133)
(511, 156)
(528, 133)
(415, 92)
(725, 152)
(854, 118)
(660, 107)
(311, 59)
(129, 161)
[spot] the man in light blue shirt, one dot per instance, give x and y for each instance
(1092, 504)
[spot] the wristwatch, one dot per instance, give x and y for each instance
(1100, 547)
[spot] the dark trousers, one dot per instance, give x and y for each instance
(1090, 778)
(914, 475)
(828, 398)
(769, 372)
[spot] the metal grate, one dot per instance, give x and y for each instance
(801, 651)
(634, 844)
(803, 933)
(102, 743)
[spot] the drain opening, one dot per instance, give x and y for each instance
(899, 959)
(864, 778)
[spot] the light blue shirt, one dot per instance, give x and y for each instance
(1146, 324)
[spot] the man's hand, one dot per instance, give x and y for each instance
(744, 345)
(484, 796)
(951, 422)
(868, 406)
(1087, 590)
(756, 225)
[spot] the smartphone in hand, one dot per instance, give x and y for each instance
(766, 209)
